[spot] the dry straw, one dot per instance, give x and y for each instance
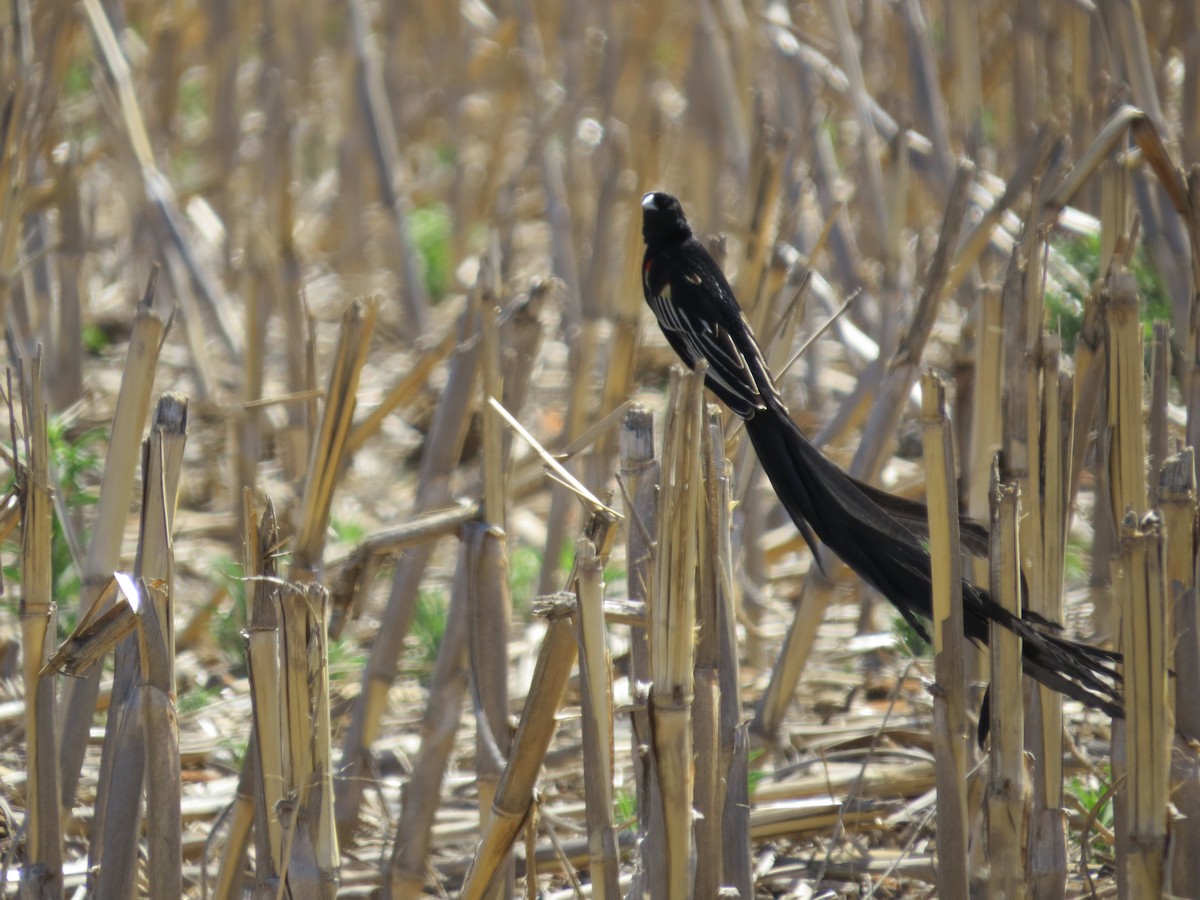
(1141, 594)
(42, 877)
(673, 622)
(443, 446)
(1176, 498)
(949, 703)
(258, 157)
(116, 493)
(1008, 794)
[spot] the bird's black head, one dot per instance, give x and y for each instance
(663, 220)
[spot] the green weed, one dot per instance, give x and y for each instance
(429, 624)
(1064, 312)
(78, 465)
(524, 567)
(625, 806)
(912, 641)
(196, 699)
(346, 532)
(1088, 792)
(754, 775)
(345, 658)
(230, 625)
(236, 748)
(1078, 558)
(94, 339)
(431, 230)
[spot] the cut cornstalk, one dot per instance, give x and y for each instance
(41, 875)
(1125, 467)
(1177, 500)
(297, 743)
(162, 463)
(673, 620)
(310, 847)
(325, 461)
(595, 669)
(1048, 851)
(640, 470)
(949, 699)
(403, 391)
(556, 660)
(490, 616)
(406, 874)
(986, 401)
(1141, 594)
(138, 683)
(722, 781)
(711, 581)
(262, 658)
(104, 550)
(490, 612)
(1008, 790)
(514, 794)
(1126, 367)
(443, 447)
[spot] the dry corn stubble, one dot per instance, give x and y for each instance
(276, 160)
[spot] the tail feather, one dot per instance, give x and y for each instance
(913, 516)
(871, 537)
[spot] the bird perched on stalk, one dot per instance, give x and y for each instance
(873, 532)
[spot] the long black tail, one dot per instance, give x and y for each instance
(863, 527)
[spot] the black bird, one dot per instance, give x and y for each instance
(873, 532)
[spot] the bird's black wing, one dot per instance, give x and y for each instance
(692, 303)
